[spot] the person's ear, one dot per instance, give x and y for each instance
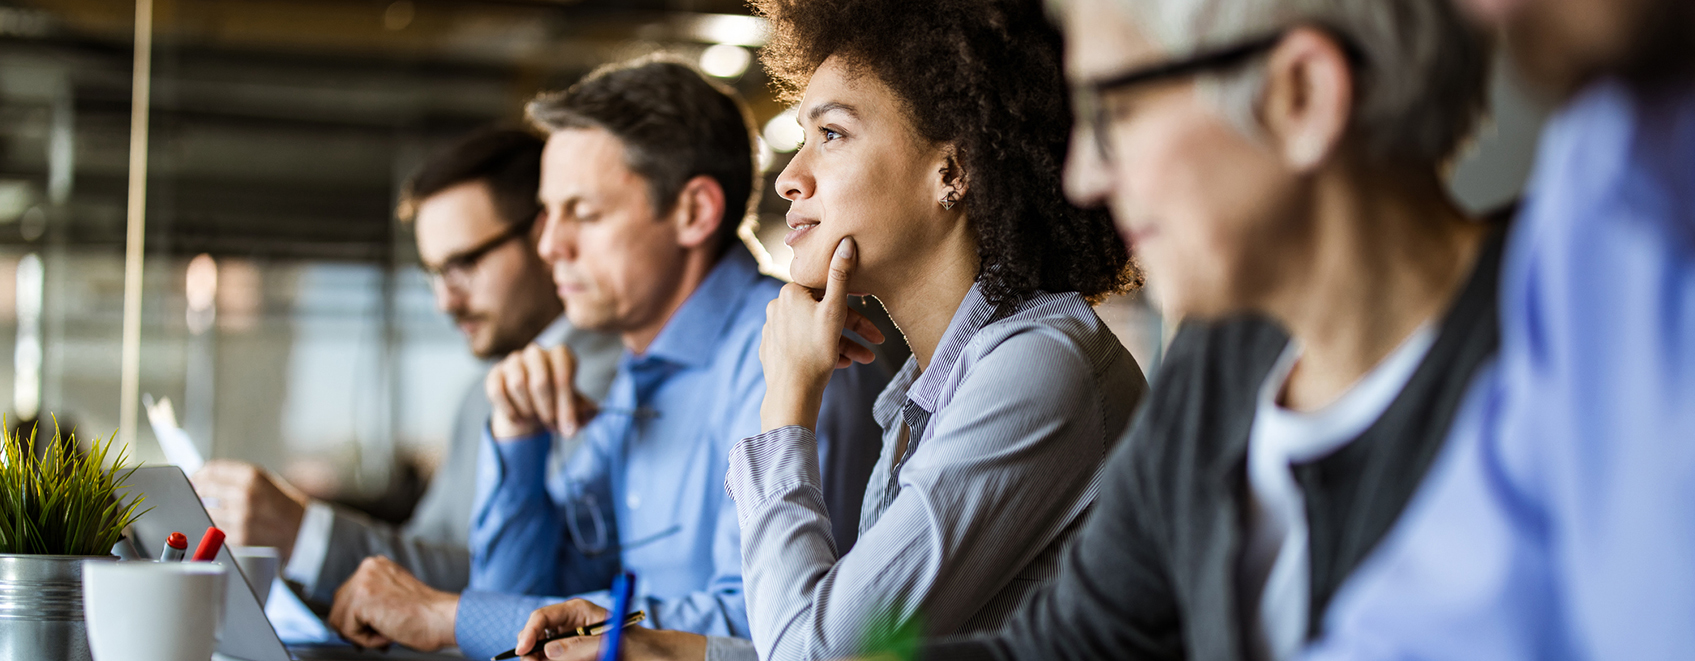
(699, 212)
(1308, 98)
(951, 180)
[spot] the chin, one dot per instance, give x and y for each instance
(588, 317)
(808, 273)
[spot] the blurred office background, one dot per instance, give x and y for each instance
(283, 310)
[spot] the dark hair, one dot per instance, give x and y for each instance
(507, 160)
(674, 124)
(985, 76)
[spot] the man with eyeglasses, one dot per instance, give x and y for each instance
(647, 176)
(474, 210)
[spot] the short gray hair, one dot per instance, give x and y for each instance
(1420, 92)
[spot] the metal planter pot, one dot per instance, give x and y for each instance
(41, 607)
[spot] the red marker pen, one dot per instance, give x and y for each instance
(175, 546)
(209, 545)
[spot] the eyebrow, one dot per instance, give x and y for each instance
(819, 110)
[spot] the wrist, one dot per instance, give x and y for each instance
(678, 644)
(505, 428)
(788, 404)
(444, 610)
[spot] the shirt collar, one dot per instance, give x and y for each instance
(887, 409)
(973, 314)
(690, 337)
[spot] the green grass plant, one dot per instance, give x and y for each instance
(890, 637)
(61, 501)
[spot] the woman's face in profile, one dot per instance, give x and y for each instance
(862, 172)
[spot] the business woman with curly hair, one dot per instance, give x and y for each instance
(930, 179)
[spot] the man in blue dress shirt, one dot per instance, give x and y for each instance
(647, 172)
(1560, 523)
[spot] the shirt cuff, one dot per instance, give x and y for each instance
(765, 467)
(311, 545)
(722, 648)
(487, 623)
(512, 470)
(521, 455)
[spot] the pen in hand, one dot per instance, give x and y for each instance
(590, 630)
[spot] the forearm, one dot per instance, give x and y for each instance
(791, 402)
(515, 528)
(787, 548)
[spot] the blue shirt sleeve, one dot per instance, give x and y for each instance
(514, 521)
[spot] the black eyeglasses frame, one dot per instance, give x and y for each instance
(464, 261)
(1090, 109)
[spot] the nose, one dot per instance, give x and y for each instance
(449, 300)
(1088, 177)
(558, 240)
(795, 182)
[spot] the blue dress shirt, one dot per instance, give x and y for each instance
(1560, 521)
(644, 490)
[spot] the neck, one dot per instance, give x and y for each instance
(1384, 256)
(922, 299)
(697, 264)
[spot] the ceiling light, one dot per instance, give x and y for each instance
(783, 133)
(725, 60)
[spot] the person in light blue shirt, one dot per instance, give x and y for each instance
(646, 174)
(1560, 522)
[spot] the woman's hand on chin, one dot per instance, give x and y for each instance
(804, 341)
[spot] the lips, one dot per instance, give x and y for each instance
(1134, 233)
(565, 289)
(798, 227)
(567, 282)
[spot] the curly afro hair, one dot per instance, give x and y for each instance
(985, 76)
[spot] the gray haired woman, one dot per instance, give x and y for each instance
(1277, 166)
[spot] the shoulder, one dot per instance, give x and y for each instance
(1205, 391)
(1058, 327)
(735, 355)
(1223, 347)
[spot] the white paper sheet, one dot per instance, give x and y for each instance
(179, 448)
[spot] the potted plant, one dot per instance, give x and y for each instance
(59, 506)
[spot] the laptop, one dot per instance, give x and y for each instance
(247, 635)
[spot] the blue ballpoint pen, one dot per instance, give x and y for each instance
(623, 589)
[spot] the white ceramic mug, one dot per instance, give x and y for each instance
(259, 565)
(153, 611)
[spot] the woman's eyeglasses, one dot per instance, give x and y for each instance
(455, 272)
(1093, 113)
